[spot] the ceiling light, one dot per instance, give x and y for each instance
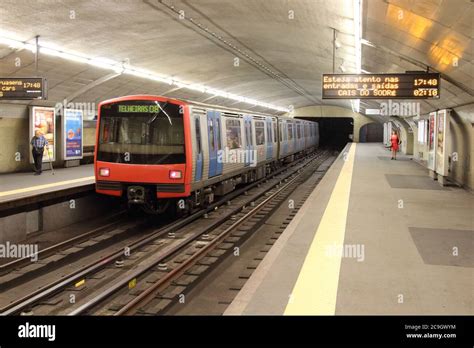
(109, 64)
(372, 111)
(366, 43)
(357, 44)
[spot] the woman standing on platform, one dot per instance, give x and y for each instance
(395, 142)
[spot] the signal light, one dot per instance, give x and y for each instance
(104, 172)
(176, 174)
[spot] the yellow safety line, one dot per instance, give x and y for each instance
(40, 187)
(315, 290)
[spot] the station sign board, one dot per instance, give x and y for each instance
(72, 134)
(12, 88)
(381, 86)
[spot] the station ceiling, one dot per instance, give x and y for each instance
(283, 46)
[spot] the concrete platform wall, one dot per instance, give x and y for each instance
(461, 144)
(15, 228)
(14, 132)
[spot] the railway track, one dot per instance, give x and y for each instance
(93, 285)
(57, 261)
(223, 242)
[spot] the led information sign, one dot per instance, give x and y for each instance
(146, 108)
(22, 88)
(381, 86)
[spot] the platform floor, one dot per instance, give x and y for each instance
(20, 185)
(375, 237)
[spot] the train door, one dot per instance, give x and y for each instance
(283, 144)
(268, 123)
(218, 142)
(248, 139)
(276, 148)
(211, 132)
(199, 153)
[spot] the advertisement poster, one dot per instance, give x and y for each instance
(442, 133)
(44, 120)
(72, 134)
(432, 141)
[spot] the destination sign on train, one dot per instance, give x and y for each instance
(381, 86)
(22, 88)
(147, 108)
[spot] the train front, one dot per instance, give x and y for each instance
(141, 151)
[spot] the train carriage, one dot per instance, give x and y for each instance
(158, 152)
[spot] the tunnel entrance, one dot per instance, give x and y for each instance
(334, 131)
(371, 133)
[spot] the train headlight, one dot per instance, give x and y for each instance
(176, 174)
(104, 171)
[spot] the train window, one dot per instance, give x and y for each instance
(281, 131)
(218, 127)
(250, 132)
(234, 137)
(141, 132)
(198, 136)
(260, 132)
(298, 131)
(246, 130)
(211, 133)
(269, 131)
(290, 131)
(274, 132)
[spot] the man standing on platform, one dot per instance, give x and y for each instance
(38, 142)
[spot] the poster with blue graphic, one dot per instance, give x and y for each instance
(72, 134)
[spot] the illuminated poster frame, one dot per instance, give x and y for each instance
(421, 132)
(432, 120)
(44, 118)
(73, 131)
(442, 134)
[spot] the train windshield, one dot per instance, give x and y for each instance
(141, 132)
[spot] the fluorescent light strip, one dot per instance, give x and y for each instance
(367, 43)
(358, 45)
(105, 63)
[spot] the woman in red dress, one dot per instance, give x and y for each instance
(395, 142)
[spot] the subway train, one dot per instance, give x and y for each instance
(159, 153)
